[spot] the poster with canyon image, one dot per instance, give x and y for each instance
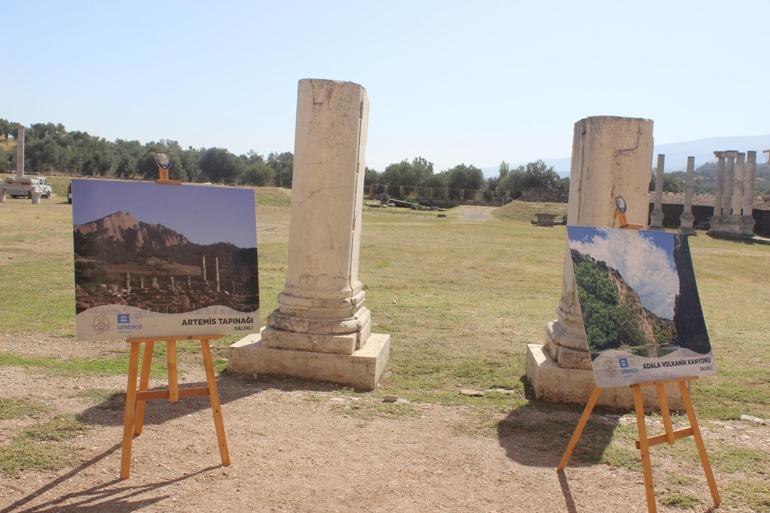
(160, 260)
(641, 311)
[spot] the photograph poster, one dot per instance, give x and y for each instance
(641, 311)
(160, 260)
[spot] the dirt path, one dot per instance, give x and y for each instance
(476, 213)
(301, 447)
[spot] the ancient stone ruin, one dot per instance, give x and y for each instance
(321, 330)
(734, 196)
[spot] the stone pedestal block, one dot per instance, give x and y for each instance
(321, 330)
(557, 384)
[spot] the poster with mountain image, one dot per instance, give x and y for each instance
(641, 311)
(159, 260)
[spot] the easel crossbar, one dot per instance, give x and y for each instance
(661, 439)
(165, 394)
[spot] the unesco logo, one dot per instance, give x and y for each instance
(623, 363)
(124, 318)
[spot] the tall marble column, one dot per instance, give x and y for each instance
(740, 169)
(747, 212)
(768, 155)
(611, 156)
(20, 151)
(720, 180)
(686, 219)
(321, 330)
(729, 185)
(656, 218)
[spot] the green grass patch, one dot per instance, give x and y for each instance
(369, 410)
(730, 459)
(751, 493)
(621, 456)
(19, 408)
(61, 427)
(75, 366)
(273, 197)
(679, 500)
(23, 454)
(99, 394)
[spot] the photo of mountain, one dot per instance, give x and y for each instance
(641, 312)
(147, 251)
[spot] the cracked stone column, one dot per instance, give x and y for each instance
(20, 151)
(740, 170)
(720, 179)
(687, 218)
(747, 212)
(321, 330)
(611, 156)
(727, 192)
(656, 218)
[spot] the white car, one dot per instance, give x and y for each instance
(24, 186)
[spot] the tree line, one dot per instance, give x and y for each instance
(51, 147)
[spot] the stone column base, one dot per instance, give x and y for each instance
(360, 370)
(554, 384)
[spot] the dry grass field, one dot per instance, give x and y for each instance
(461, 296)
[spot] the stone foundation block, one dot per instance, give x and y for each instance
(360, 370)
(555, 384)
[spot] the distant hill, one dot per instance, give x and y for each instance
(677, 153)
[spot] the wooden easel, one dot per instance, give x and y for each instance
(133, 420)
(644, 443)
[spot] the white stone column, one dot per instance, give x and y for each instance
(321, 330)
(656, 218)
(611, 156)
(216, 271)
(687, 218)
(720, 180)
(729, 185)
(2, 195)
(747, 212)
(740, 169)
(35, 195)
(203, 270)
(768, 155)
(20, 154)
(748, 183)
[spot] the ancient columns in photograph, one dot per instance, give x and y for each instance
(321, 330)
(20, 151)
(611, 157)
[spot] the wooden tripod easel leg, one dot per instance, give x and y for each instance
(173, 380)
(128, 418)
(216, 408)
(644, 448)
(579, 429)
(704, 459)
(144, 383)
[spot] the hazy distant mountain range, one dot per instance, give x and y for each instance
(677, 153)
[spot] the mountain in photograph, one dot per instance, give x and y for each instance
(120, 260)
(613, 313)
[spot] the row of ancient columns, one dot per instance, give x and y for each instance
(734, 194)
(687, 218)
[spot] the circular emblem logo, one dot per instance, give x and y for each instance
(610, 368)
(101, 323)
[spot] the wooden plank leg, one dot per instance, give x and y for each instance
(579, 428)
(216, 408)
(173, 387)
(644, 448)
(128, 418)
(144, 383)
(704, 459)
(665, 413)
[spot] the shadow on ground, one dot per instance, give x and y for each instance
(231, 388)
(536, 434)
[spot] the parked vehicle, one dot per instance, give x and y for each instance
(24, 186)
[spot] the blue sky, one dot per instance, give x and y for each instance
(205, 215)
(453, 81)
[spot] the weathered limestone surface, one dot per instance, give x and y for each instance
(686, 219)
(733, 200)
(656, 218)
(321, 330)
(20, 151)
(611, 156)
